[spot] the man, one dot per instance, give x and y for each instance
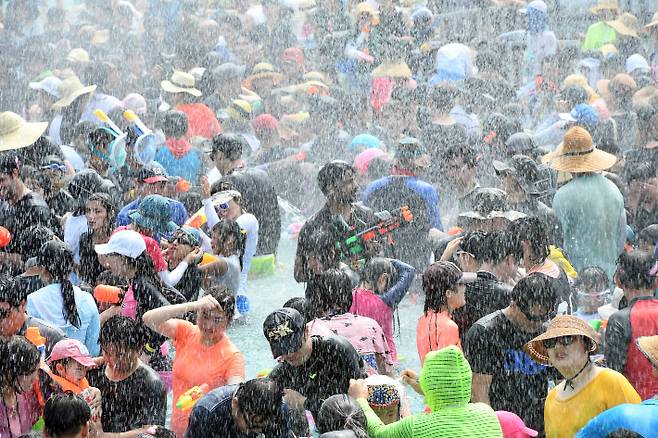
(600, 33)
(152, 181)
(23, 207)
(258, 193)
(504, 376)
(640, 318)
(14, 320)
(252, 407)
(311, 368)
(133, 394)
(590, 207)
(489, 210)
(459, 165)
(338, 219)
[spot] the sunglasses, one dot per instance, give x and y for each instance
(565, 341)
(224, 206)
(53, 167)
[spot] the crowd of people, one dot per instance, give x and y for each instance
(494, 160)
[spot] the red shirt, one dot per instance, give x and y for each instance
(153, 250)
(201, 120)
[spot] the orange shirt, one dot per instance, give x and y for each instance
(435, 330)
(195, 364)
(201, 120)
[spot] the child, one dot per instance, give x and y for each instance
(69, 362)
(177, 155)
(384, 283)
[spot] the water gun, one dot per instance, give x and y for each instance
(5, 237)
(104, 293)
(33, 335)
(187, 401)
(263, 373)
(353, 247)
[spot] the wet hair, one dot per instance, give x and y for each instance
(34, 238)
(592, 278)
(574, 95)
(160, 432)
(536, 289)
(191, 200)
(648, 234)
(228, 228)
(533, 230)
(465, 152)
(624, 433)
(332, 174)
(9, 162)
(110, 208)
(299, 304)
(633, 270)
(435, 286)
(174, 124)
(24, 360)
(57, 258)
(123, 331)
(225, 299)
(443, 97)
(333, 289)
(11, 293)
(374, 269)
(261, 397)
(497, 246)
(144, 267)
(474, 243)
(342, 412)
(65, 415)
(231, 145)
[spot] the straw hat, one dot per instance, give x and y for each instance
(181, 82)
(625, 24)
(654, 21)
(606, 5)
(392, 70)
(78, 56)
(608, 49)
(577, 154)
(90, 33)
(316, 76)
(562, 325)
(648, 345)
(264, 70)
(70, 89)
(16, 133)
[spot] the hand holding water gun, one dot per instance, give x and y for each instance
(187, 401)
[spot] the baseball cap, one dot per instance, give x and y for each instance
(49, 84)
(523, 169)
(151, 175)
(154, 213)
(71, 349)
(284, 330)
(444, 274)
(513, 426)
(583, 114)
(127, 243)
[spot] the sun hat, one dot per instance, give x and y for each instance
(635, 62)
(648, 345)
(284, 330)
(392, 70)
(265, 123)
(181, 82)
(538, 5)
(69, 90)
(644, 96)
(367, 8)
(16, 133)
(229, 70)
(192, 235)
(316, 76)
(263, 71)
(78, 56)
(154, 213)
(71, 349)
(561, 325)
(49, 84)
(625, 24)
(490, 203)
(606, 5)
(584, 115)
(608, 49)
(524, 170)
(363, 160)
(240, 110)
(136, 103)
(513, 426)
(367, 140)
(127, 243)
(224, 196)
(577, 154)
(654, 21)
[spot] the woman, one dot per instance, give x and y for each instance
(587, 389)
(101, 214)
(228, 243)
(204, 352)
(61, 303)
(341, 412)
(443, 283)
(183, 245)
(19, 406)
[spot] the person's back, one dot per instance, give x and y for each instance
(590, 209)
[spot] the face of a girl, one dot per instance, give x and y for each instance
(232, 212)
(221, 244)
(72, 371)
(212, 323)
(25, 382)
(116, 264)
(118, 358)
(568, 356)
(389, 414)
(96, 215)
(456, 297)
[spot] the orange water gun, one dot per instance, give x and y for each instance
(104, 293)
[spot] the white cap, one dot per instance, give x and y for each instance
(49, 84)
(127, 243)
(536, 4)
(636, 61)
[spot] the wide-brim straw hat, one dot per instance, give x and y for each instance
(625, 24)
(16, 133)
(263, 71)
(577, 154)
(606, 5)
(562, 325)
(648, 345)
(181, 82)
(392, 70)
(654, 21)
(644, 95)
(70, 89)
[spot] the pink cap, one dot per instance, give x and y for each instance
(513, 426)
(72, 349)
(265, 123)
(363, 160)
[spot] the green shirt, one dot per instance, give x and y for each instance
(598, 34)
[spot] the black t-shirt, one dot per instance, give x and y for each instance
(29, 211)
(495, 347)
(212, 417)
(328, 371)
(137, 401)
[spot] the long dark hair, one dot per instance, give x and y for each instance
(57, 258)
(22, 358)
(144, 267)
(229, 228)
(110, 210)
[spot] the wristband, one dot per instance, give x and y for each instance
(149, 349)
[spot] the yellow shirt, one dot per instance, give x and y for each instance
(564, 418)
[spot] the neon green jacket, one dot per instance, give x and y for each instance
(446, 382)
(598, 34)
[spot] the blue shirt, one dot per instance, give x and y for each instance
(179, 212)
(641, 418)
(187, 167)
(426, 191)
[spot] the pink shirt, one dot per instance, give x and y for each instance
(28, 414)
(367, 303)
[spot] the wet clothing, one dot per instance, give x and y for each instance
(640, 318)
(186, 166)
(178, 212)
(201, 120)
(446, 383)
(212, 418)
(28, 414)
(563, 418)
(52, 334)
(494, 346)
(138, 400)
(640, 418)
(328, 371)
(29, 211)
(90, 267)
(434, 331)
(598, 35)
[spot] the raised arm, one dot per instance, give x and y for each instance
(395, 293)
